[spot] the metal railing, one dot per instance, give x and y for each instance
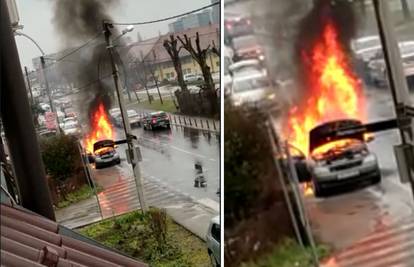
(204, 124)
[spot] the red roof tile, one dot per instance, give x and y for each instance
(28, 239)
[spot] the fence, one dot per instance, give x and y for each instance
(199, 123)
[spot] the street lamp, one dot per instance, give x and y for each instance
(43, 64)
(133, 152)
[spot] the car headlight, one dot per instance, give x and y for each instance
(271, 96)
(320, 170)
(261, 57)
(370, 159)
(237, 102)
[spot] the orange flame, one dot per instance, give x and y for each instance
(333, 88)
(101, 128)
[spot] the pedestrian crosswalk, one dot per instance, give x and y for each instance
(122, 197)
(392, 246)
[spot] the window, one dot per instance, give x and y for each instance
(167, 75)
(215, 232)
(172, 74)
(188, 70)
(218, 63)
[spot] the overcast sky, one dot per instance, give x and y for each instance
(36, 16)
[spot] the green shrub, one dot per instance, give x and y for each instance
(61, 156)
(248, 163)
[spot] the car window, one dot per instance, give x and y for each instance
(215, 232)
(244, 41)
(250, 84)
(132, 113)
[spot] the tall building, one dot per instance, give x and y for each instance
(215, 13)
(191, 21)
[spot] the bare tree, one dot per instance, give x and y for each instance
(199, 55)
(174, 51)
(215, 50)
(142, 75)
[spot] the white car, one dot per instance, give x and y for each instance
(213, 241)
(366, 47)
(71, 128)
(191, 77)
(253, 89)
(377, 68)
(248, 64)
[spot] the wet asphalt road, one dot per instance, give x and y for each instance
(170, 155)
(353, 213)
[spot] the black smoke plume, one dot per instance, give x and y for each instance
(76, 22)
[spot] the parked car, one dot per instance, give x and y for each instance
(247, 47)
(191, 77)
(367, 47)
(213, 241)
(71, 127)
(105, 154)
(248, 64)
(133, 116)
(235, 26)
(253, 89)
(155, 120)
(338, 161)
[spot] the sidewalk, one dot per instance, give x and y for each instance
(390, 246)
(193, 215)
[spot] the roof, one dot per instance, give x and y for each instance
(207, 34)
(28, 239)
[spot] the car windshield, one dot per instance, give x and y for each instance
(361, 44)
(159, 115)
(245, 41)
(250, 84)
(70, 125)
(132, 113)
(336, 148)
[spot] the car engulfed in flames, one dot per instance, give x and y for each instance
(332, 97)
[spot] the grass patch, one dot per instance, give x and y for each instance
(132, 234)
(167, 106)
(82, 193)
(288, 254)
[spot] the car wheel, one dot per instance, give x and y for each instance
(118, 161)
(97, 166)
(151, 128)
(376, 179)
(213, 260)
(168, 126)
(319, 192)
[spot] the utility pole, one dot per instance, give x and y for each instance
(52, 107)
(133, 151)
(28, 84)
(144, 78)
(403, 108)
(18, 126)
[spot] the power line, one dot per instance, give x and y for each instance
(167, 18)
(72, 52)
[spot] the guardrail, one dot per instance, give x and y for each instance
(195, 122)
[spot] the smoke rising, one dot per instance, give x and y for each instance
(76, 22)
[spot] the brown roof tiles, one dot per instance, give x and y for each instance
(28, 239)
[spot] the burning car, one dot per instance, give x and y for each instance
(337, 161)
(105, 154)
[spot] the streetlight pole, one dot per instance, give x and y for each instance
(133, 152)
(52, 107)
(28, 84)
(399, 89)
